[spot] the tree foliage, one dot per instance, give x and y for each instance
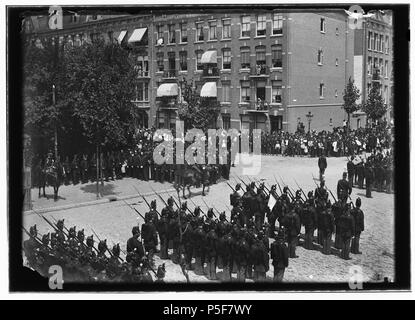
(350, 95)
(197, 112)
(94, 86)
(375, 106)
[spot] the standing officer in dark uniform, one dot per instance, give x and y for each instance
(369, 177)
(344, 189)
(346, 226)
(359, 226)
(135, 250)
(309, 219)
(279, 256)
(350, 170)
(149, 236)
(322, 165)
(292, 224)
(327, 228)
(75, 169)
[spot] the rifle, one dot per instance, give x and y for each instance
(279, 187)
(288, 188)
(194, 204)
(39, 241)
(145, 200)
(186, 275)
(208, 207)
(133, 209)
(109, 251)
(300, 189)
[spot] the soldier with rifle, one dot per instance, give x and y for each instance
(149, 236)
(292, 224)
(326, 221)
(346, 229)
(310, 220)
(211, 252)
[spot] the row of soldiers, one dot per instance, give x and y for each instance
(81, 261)
(114, 165)
(375, 172)
(242, 245)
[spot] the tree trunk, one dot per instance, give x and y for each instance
(348, 123)
(97, 171)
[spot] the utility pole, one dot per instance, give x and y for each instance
(56, 127)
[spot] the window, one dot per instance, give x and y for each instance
(369, 40)
(226, 119)
(74, 18)
(320, 57)
(245, 87)
(226, 90)
(386, 44)
(276, 93)
(142, 65)
(199, 31)
(245, 26)
(376, 42)
(322, 25)
(260, 56)
(226, 28)
(369, 65)
(172, 63)
(381, 66)
(385, 93)
(183, 60)
(245, 58)
(382, 44)
(276, 51)
(277, 24)
(375, 64)
(335, 93)
(160, 61)
(226, 61)
(142, 91)
(212, 30)
(183, 32)
(160, 33)
(199, 65)
(321, 90)
(261, 25)
(372, 43)
(386, 68)
(172, 33)
(337, 62)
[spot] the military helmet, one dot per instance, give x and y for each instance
(90, 241)
(184, 205)
(116, 250)
(153, 204)
(298, 193)
(285, 189)
(72, 232)
(136, 230)
(197, 211)
(358, 202)
(45, 239)
(170, 201)
(60, 224)
(238, 186)
(102, 245)
(210, 213)
(310, 194)
(161, 271)
(81, 235)
(273, 187)
(33, 231)
(252, 185)
(222, 216)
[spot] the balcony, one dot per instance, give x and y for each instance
(170, 74)
(258, 106)
(259, 71)
(211, 72)
(143, 74)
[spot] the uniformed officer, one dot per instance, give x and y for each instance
(359, 226)
(279, 256)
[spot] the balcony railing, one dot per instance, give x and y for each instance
(211, 72)
(170, 74)
(143, 73)
(259, 106)
(259, 71)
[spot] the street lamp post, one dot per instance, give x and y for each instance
(309, 116)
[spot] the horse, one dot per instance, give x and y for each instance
(187, 176)
(54, 174)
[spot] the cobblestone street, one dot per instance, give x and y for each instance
(113, 220)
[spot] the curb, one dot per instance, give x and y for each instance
(94, 202)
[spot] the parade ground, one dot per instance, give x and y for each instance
(112, 219)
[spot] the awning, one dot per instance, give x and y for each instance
(167, 90)
(209, 90)
(121, 36)
(137, 35)
(209, 57)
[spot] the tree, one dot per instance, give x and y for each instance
(350, 95)
(197, 112)
(375, 106)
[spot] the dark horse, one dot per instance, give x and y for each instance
(191, 175)
(54, 174)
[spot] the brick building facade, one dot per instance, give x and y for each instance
(268, 69)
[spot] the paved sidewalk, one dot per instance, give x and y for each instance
(80, 195)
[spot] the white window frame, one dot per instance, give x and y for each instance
(223, 58)
(215, 34)
(181, 33)
(276, 89)
(228, 86)
(174, 33)
(227, 26)
(277, 20)
(198, 60)
(321, 90)
(262, 22)
(320, 57)
(248, 24)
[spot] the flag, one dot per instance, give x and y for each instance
(271, 202)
